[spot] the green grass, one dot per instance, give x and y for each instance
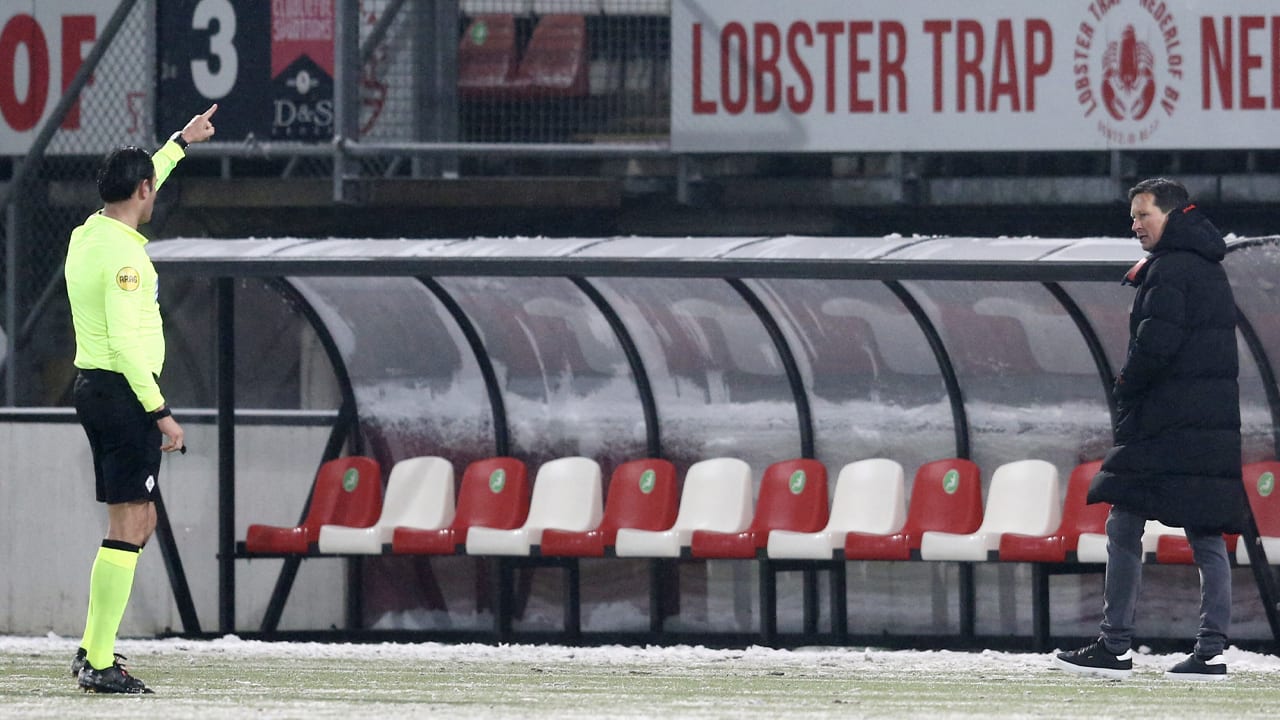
(233, 679)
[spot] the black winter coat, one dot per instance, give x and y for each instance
(1177, 429)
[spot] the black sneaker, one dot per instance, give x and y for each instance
(82, 660)
(1096, 660)
(1197, 668)
(114, 679)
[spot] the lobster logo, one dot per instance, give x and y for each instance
(1128, 77)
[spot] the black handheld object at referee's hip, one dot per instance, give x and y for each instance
(163, 412)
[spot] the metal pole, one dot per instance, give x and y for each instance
(436, 85)
(346, 90)
(10, 363)
(226, 369)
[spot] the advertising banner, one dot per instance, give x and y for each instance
(268, 65)
(939, 75)
(42, 46)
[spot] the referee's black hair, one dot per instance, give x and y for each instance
(121, 171)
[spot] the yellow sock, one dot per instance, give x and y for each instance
(109, 586)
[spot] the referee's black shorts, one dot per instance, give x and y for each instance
(123, 438)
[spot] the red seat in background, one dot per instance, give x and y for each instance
(793, 496)
(487, 56)
(1264, 501)
(494, 493)
(643, 494)
(347, 491)
(1077, 517)
(946, 496)
(556, 60)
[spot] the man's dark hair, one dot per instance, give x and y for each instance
(121, 171)
(1168, 194)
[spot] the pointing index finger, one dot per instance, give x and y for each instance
(209, 113)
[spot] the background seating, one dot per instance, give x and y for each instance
(419, 495)
(716, 496)
(793, 497)
(1260, 487)
(1077, 517)
(946, 496)
(870, 498)
(643, 495)
(1023, 498)
(487, 56)
(566, 496)
(347, 491)
(555, 62)
(494, 493)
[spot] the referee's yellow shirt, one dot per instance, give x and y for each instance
(115, 296)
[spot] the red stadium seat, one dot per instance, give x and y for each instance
(643, 494)
(556, 60)
(946, 496)
(347, 492)
(1077, 518)
(1176, 549)
(487, 56)
(494, 493)
(1260, 486)
(793, 496)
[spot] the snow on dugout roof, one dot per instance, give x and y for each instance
(889, 257)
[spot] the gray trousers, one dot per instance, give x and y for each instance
(1124, 579)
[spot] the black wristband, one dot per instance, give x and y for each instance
(161, 413)
(177, 138)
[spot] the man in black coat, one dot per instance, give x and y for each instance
(1177, 430)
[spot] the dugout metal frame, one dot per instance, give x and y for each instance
(225, 262)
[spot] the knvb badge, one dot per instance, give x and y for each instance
(1127, 68)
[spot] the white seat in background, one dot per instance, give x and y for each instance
(1092, 547)
(1024, 498)
(870, 497)
(717, 496)
(567, 495)
(419, 495)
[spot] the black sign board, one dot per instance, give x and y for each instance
(268, 65)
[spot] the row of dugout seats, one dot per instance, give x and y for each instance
(554, 63)
(792, 526)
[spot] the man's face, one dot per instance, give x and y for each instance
(1148, 220)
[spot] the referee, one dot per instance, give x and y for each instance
(115, 309)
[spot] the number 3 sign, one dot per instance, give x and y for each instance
(268, 65)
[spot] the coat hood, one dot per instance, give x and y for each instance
(1189, 229)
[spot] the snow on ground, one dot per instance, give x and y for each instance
(865, 659)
